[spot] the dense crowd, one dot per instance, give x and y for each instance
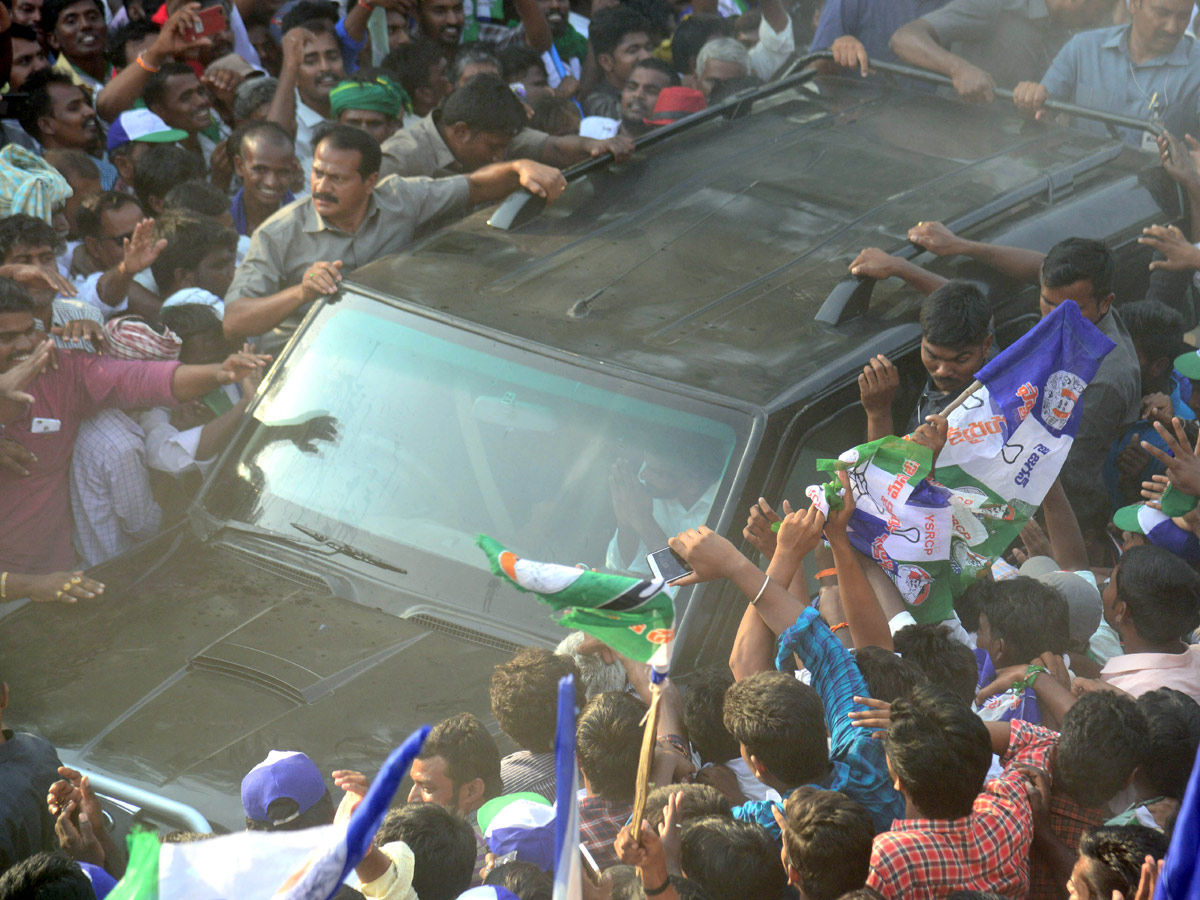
(182, 182)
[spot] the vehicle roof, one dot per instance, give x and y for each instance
(704, 259)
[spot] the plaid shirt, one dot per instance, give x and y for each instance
(858, 764)
(1032, 745)
(600, 821)
(923, 859)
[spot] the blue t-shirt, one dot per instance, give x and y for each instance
(871, 21)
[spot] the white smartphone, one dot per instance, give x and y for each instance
(667, 564)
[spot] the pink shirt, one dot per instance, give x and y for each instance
(1139, 673)
(35, 510)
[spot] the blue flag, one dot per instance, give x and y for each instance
(568, 876)
(1179, 878)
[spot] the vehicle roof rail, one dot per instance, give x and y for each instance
(852, 296)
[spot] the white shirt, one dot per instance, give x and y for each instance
(599, 127)
(308, 120)
(173, 451)
(89, 294)
(672, 517)
(772, 50)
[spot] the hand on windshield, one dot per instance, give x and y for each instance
(849, 53)
(936, 238)
(321, 279)
(239, 366)
(1029, 97)
(1181, 255)
(540, 180)
(973, 84)
(872, 262)
(619, 146)
(877, 386)
(1181, 161)
(56, 587)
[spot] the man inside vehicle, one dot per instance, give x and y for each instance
(1148, 69)
(350, 219)
(998, 43)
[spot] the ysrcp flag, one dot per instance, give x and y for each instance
(310, 864)
(1004, 448)
(632, 616)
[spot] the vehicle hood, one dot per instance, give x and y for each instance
(181, 682)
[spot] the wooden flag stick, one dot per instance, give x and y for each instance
(962, 398)
(645, 761)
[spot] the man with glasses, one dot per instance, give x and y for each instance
(117, 245)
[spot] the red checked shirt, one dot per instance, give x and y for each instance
(1032, 745)
(600, 821)
(925, 859)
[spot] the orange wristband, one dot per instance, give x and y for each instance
(145, 65)
(839, 626)
(825, 573)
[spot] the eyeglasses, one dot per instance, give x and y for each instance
(119, 238)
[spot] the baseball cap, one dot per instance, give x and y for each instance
(1188, 365)
(142, 125)
(283, 775)
(1084, 609)
(1159, 530)
(673, 104)
(522, 823)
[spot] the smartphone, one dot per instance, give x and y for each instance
(667, 564)
(590, 869)
(212, 19)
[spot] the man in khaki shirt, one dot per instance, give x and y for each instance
(480, 123)
(350, 219)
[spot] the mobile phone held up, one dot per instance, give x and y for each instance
(667, 564)
(212, 21)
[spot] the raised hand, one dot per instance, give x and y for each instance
(1183, 468)
(758, 528)
(239, 366)
(141, 249)
(17, 378)
(1181, 255)
(877, 385)
(710, 555)
(800, 532)
(34, 278)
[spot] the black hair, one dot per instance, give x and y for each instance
(659, 66)
(252, 95)
(1120, 851)
(659, 13)
(609, 25)
(554, 115)
(189, 319)
(1080, 259)
(945, 661)
(263, 130)
(695, 802)
(306, 12)
(939, 750)
(197, 196)
(693, 33)
(477, 54)
(1029, 616)
(46, 876)
(347, 137)
(1172, 738)
(516, 61)
(14, 298)
(1155, 329)
(53, 9)
(23, 33)
(731, 860)
(160, 168)
(411, 63)
(89, 221)
(1102, 742)
(155, 91)
(955, 316)
(608, 739)
(38, 102)
(129, 31)
(190, 237)
(626, 885)
(443, 847)
(524, 696)
(828, 840)
(524, 879)
(887, 675)
(21, 228)
(469, 751)
(486, 105)
(73, 163)
(781, 722)
(1161, 592)
(703, 711)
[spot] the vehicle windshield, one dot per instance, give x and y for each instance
(391, 432)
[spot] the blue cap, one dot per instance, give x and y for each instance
(283, 775)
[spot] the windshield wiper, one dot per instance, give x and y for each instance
(348, 550)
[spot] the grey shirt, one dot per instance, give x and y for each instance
(1112, 400)
(295, 237)
(419, 150)
(1011, 40)
(1095, 69)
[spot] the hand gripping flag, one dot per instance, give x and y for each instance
(633, 617)
(259, 865)
(934, 534)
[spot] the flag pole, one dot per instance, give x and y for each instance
(646, 758)
(962, 398)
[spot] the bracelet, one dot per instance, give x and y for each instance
(3, 587)
(757, 597)
(654, 892)
(145, 65)
(826, 573)
(365, 5)
(839, 626)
